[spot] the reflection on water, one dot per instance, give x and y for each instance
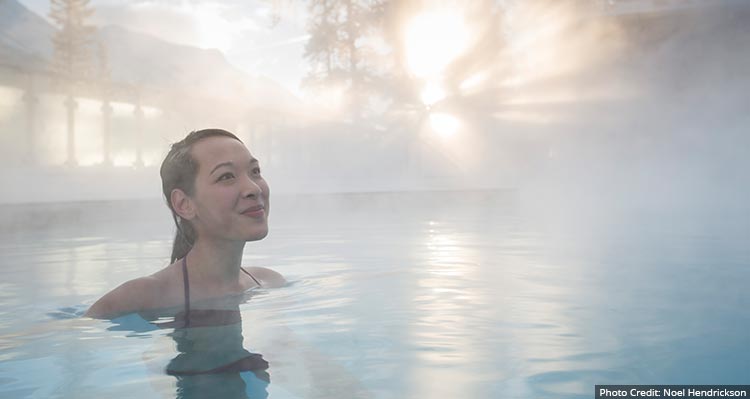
(445, 302)
(211, 360)
(206, 360)
(399, 296)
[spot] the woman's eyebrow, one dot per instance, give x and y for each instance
(228, 163)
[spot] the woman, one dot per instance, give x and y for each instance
(219, 201)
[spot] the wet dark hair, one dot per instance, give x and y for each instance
(178, 170)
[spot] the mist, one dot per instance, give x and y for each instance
(659, 127)
(579, 107)
(495, 198)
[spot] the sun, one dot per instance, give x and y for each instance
(432, 40)
(443, 124)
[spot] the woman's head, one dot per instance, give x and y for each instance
(213, 187)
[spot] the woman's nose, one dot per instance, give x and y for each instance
(251, 188)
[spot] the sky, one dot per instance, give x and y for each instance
(244, 30)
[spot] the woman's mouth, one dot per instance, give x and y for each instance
(255, 212)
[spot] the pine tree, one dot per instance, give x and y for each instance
(336, 51)
(74, 42)
(74, 58)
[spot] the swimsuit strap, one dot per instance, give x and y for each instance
(186, 283)
(187, 291)
(251, 276)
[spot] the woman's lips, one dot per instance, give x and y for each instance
(255, 213)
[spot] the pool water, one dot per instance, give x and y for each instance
(427, 295)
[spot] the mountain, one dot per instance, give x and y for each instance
(142, 60)
(24, 36)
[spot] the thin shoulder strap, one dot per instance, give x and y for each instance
(187, 291)
(251, 276)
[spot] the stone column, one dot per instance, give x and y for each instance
(106, 132)
(138, 113)
(71, 105)
(31, 100)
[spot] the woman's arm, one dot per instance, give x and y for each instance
(268, 278)
(129, 297)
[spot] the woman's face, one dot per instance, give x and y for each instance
(231, 197)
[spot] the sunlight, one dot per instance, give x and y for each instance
(513, 82)
(121, 108)
(434, 39)
(432, 93)
(539, 118)
(89, 159)
(213, 30)
(530, 27)
(442, 302)
(151, 112)
(10, 96)
(444, 124)
(561, 96)
(554, 41)
(473, 82)
(10, 100)
(123, 158)
(152, 158)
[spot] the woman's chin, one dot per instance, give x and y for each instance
(256, 235)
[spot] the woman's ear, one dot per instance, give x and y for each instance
(182, 204)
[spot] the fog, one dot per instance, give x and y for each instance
(664, 128)
(580, 107)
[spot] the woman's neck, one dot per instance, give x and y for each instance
(215, 263)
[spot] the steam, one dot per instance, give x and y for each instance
(644, 113)
(574, 106)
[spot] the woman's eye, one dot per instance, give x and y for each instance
(226, 176)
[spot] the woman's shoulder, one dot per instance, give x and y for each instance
(131, 296)
(268, 278)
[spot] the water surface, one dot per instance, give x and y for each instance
(443, 295)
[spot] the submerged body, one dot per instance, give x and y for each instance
(166, 289)
(219, 200)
